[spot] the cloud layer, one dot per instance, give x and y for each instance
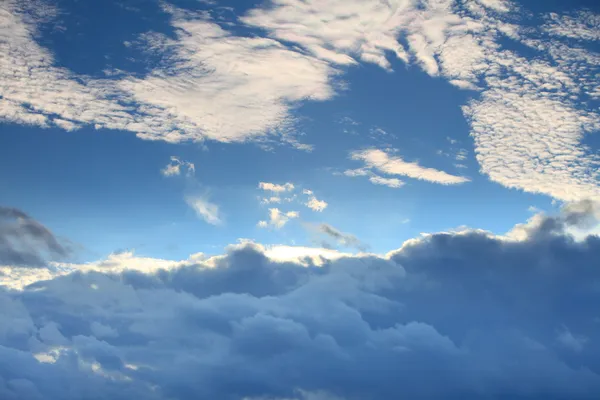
(528, 122)
(480, 316)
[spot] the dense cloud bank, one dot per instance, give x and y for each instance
(449, 316)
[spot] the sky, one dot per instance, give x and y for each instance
(299, 199)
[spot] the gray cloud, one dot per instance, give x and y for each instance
(451, 315)
(26, 242)
(341, 238)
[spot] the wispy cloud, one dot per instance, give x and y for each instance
(394, 165)
(195, 195)
(206, 210)
(394, 183)
(341, 238)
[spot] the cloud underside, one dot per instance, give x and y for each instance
(528, 123)
(479, 316)
(25, 242)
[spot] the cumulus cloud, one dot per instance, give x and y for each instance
(175, 166)
(273, 187)
(278, 218)
(481, 316)
(313, 203)
(25, 242)
(394, 165)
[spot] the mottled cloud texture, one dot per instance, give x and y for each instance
(528, 122)
(448, 315)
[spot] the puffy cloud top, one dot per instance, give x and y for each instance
(448, 315)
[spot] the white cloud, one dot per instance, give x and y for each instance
(394, 165)
(313, 203)
(225, 87)
(337, 31)
(271, 200)
(214, 85)
(278, 219)
(357, 172)
(174, 167)
(497, 5)
(583, 25)
(36, 92)
(389, 182)
(394, 183)
(528, 124)
(273, 187)
(206, 210)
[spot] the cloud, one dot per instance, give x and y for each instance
(316, 205)
(341, 238)
(212, 85)
(271, 200)
(532, 115)
(527, 125)
(497, 5)
(278, 219)
(570, 341)
(394, 183)
(337, 31)
(529, 122)
(272, 187)
(223, 87)
(206, 210)
(389, 182)
(25, 242)
(313, 203)
(394, 165)
(174, 167)
(481, 316)
(582, 25)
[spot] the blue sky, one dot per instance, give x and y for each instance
(103, 175)
(136, 134)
